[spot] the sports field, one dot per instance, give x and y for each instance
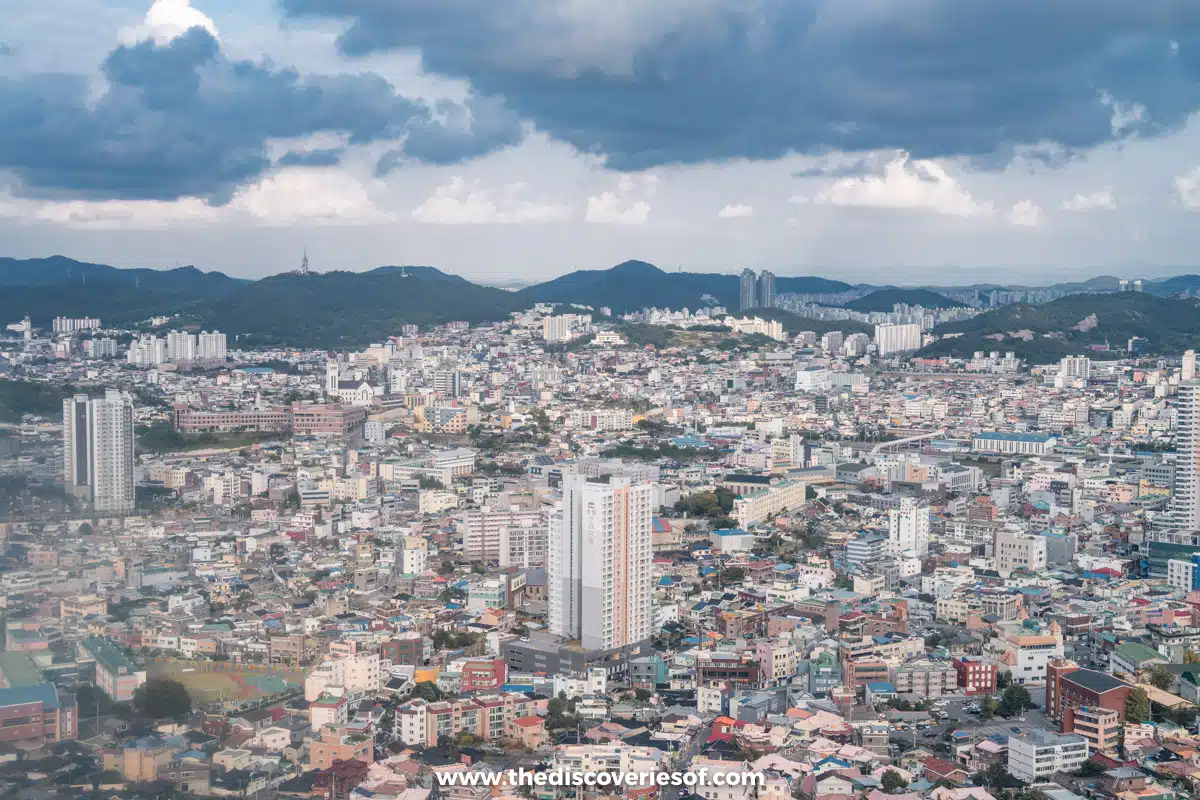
(208, 682)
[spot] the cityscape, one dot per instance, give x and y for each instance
(561, 400)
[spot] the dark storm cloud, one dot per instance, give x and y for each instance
(312, 158)
(181, 119)
(665, 81)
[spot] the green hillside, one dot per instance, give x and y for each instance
(1043, 334)
(885, 299)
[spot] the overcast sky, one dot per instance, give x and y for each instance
(900, 141)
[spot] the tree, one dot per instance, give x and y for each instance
(162, 698)
(1015, 700)
(995, 775)
(642, 694)
(427, 691)
(1137, 706)
(1160, 678)
(1003, 680)
(891, 782)
(988, 709)
(1191, 657)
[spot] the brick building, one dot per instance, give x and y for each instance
(1069, 688)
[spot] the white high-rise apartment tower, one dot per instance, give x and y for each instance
(897, 338)
(181, 346)
(599, 563)
(212, 346)
(113, 481)
(1188, 370)
(908, 528)
(1075, 367)
(1184, 511)
(98, 450)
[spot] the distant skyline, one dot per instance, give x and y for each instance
(930, 142)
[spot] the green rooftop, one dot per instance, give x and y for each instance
(109, 655)
(1139, 653)
(18, 669)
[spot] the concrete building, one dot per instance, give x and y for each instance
(1039, 754)
(1100, 726)
(599, 565)
(34, 715)
(98, 441)
(484, 531)
(908, 528)
(897, 338)
(748, 290)
(1184, 576)
(113, 483)
(1028, 444)
(116, 675)
(1015, 550)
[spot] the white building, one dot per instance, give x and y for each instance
(181, 346)
(1016, 550)
(1074, 368)
(1039, 754)
(147, 351)
(908, 528)
(413, 556)
(1027, 444)
(1184, 576)
(599, 563)
(98, 450)
(897, 338)
(484, 530)
(351, 674)
(212, 346)
(1184, 511)
(524, 545)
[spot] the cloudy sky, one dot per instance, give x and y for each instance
(899, 140)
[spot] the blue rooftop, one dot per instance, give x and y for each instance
(41, 692)
(998, 436)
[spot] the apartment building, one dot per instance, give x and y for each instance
(1039, 754)
(924, 678)
(116, 675)
(755, 507)
(352, 742)
(490, 717)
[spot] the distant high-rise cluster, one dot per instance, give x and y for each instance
(180, 347)
(757, 291)
(98, 450)
(70, 325)
(1134, 285)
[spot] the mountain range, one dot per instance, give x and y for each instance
(350, 309)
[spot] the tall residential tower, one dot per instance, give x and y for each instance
(599, 563)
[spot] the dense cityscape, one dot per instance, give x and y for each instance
(579, 541)
(599, 400)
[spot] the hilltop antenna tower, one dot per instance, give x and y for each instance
(304, 263)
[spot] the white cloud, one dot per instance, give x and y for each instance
(738, 211)
(167, 20)
(627, 205)
(1026, 213)
(308, 195)
(288, 197)
(1187, 186)
(1125, 116)
(906, 184)
(1101, 200)
(463, 203)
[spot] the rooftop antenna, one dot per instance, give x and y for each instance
(304, 263)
